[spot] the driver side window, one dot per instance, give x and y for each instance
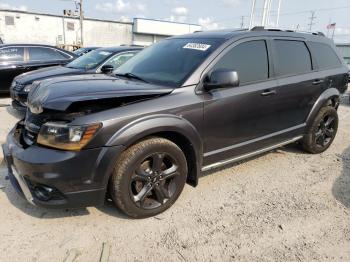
(248, 59)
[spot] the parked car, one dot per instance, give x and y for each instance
(84, 50)
(16, 59)
(184, 105)
(103, 60)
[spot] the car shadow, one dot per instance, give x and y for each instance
(4, 95)
(341, 186)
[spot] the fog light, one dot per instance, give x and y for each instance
(43, 193)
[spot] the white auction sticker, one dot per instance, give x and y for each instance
(197, 46)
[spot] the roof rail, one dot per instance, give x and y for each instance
(261, 28)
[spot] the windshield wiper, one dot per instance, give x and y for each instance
(131, 75)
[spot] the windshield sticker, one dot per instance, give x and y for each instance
(104, 53)
(197, 46)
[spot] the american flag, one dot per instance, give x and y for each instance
(331, 26)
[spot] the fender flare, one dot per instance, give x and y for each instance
(327, 95)
(153, 124)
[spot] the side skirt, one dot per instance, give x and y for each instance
(239, 158)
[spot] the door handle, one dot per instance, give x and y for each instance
(269, 93)
(317, 82)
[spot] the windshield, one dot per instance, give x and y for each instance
(170, 61)
(90, 60)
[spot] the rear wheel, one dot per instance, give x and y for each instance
(322, 131)
(148, 177)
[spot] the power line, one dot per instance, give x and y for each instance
(288, 13)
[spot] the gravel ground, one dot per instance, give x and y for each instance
(282, 206)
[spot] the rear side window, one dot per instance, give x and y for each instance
(293, 57)
(325, 55)
(249, 60)
(11, 54)
(44, 54)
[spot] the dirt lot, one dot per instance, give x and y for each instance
(281, 206)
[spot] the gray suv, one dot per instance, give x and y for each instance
(185, 105)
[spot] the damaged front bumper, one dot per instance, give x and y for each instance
(55, 178)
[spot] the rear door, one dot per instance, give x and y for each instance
(330, 69)
(11, 64)
(39, 57)
(298, 81)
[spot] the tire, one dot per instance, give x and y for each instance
(322, 131)
(148, 177)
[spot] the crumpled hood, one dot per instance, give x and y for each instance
(60, 92)
(47, 72)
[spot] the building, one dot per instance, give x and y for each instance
(344, 50)
(28, 27)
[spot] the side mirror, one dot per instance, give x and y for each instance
(107, 69)
(221, 78)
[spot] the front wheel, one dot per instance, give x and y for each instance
(322, 131)
(148, 177)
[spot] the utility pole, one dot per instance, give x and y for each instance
(312, 18)
(242, 21)
(81, 15)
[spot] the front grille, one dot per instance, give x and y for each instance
(32, 125)
(18, 86)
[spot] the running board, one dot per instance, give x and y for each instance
(258, 152)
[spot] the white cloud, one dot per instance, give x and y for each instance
(178, 14)
(180, 11)
(207, 23)
(118, 6)
(11, 7)
(124, 18)
(121, 7)
(141, 7)
(231, 2)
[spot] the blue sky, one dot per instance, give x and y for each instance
(210, 14)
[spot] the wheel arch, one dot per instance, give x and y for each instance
(174, 128)
(330, 97)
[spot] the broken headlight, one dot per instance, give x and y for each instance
(67, 137)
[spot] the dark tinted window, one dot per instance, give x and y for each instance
(11, 54)
(249, 59)
(45, 54)
(293, 57)
(170, 61)
(325, 55)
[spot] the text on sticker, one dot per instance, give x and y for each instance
(197, 46)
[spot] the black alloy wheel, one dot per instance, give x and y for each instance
(322, 131)
(148, 177)
(155, 181)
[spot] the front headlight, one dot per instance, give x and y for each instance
(27, 88)
(63, 136)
